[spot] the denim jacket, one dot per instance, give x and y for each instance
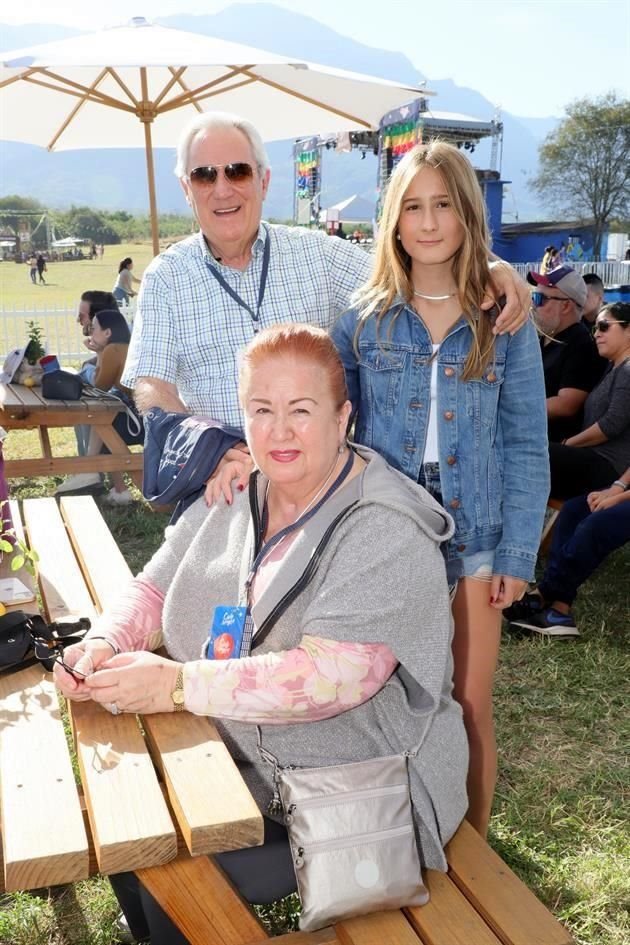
(492, 432)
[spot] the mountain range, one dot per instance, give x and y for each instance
(116, 179)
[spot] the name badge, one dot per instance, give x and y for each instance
(230, 636)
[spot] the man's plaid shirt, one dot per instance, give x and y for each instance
(189, 331)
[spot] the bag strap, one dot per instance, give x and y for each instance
(134, 426)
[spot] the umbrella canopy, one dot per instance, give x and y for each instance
(137, 85)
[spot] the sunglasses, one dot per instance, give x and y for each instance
(51, 651)
(602, 324)
(237, 173)
(538, 299)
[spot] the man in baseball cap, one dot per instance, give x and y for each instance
(571, 363)
(569, 282)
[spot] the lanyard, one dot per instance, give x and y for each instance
(263, 281)
(277, 538)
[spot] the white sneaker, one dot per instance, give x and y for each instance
(82, 482)
(118, 498)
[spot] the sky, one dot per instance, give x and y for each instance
(529, 57)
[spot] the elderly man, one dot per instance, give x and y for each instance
(204, 298)
(571, 363)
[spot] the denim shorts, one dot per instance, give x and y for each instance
(478, 565)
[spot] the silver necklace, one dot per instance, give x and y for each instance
(433, 298)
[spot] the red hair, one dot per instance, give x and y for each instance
(301, 343)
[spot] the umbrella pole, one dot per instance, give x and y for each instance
(146, 114)
(151, 179)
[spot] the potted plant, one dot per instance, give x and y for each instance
(30, 371)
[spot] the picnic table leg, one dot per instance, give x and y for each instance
(118, 447)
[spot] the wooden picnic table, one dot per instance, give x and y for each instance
(156, 797)
(24, 408)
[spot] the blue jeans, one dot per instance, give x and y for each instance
(581, 541)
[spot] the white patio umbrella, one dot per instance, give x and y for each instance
(123, 87)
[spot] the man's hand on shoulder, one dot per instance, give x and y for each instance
(506, 281)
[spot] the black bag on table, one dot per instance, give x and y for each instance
(62, 385)
(27, 638)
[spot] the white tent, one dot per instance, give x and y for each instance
(354, 209)
(67, 243)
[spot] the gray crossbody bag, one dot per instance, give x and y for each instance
(352, 836)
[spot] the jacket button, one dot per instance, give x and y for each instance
(449, 371)
(451, 460)
(461, 547)
(491, 378)
(454, 503)
(449, 415)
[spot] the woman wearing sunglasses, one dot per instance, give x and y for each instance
(600, 453)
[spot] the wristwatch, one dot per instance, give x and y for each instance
(177, 694)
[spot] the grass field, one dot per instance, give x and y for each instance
(65, 281)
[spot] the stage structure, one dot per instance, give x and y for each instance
(398, 132)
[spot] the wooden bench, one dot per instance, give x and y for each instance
(141, 807)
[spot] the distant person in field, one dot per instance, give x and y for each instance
(123, 289)
(31, 262)
(41, 268)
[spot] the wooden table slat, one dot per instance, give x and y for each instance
(505, 903)
(102, 563)
(61, 582)
(115, 764)
(223, 816)
(379, 928)
(448, 918)
(43, 836)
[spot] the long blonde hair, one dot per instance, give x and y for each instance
(391, 276)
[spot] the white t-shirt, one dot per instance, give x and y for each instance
(431, 454)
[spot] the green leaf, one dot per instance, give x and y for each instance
(6, 546)
(17, 562)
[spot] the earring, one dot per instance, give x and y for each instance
(342, 447)
(398, 236)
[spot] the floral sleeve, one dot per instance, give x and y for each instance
(317, 680)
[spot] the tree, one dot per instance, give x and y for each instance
(584, 164)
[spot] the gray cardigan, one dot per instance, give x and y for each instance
(381, 579)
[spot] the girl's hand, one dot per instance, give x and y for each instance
(506, 281)
(235, 464)
(135, 682)
(230, 476)
(504, 590)
(84, 658)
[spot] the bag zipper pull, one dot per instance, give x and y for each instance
(274, 807)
